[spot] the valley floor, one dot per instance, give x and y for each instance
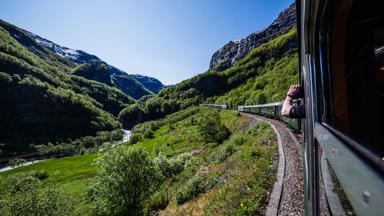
(233, 177)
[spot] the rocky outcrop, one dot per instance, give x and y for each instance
(235, 50)
(76, 56)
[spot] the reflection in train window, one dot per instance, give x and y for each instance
(358, 74)
(333, 199)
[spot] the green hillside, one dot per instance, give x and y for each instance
(111, 76)
(263, 75)
(194, 173)
(269, 86)
(42, 103)
(181, 159)
(28, 42)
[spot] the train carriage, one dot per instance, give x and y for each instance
(271, 110)
(342, 72)
(219, 106)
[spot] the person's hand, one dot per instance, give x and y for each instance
(293, 91)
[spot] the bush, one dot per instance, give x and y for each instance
(131, 115)
(159, 200)
(178, 163)
(15, 162)
(135, 137)
(24, 196)
(237, 139)
(41, 174)
(225, 152)
(5, 78)
(148, 134)
(125, 178)
(191, 189)
(211, 129)
(174, 165)
(264, 131)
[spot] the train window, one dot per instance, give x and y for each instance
(357, 43)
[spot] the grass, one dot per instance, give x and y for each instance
(72, 175)
(233, 177)
(229, 178)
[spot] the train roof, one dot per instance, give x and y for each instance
(263, 105)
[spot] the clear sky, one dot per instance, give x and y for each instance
(171, 40)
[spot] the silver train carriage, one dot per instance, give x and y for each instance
(220, 106)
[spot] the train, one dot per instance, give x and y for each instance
(341, 62)
(272, 110)
(220, 106)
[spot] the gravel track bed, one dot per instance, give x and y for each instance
(292, 198)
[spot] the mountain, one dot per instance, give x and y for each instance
(76, 56)
(107, 74)
(263, 75)
(150, 83)
(235, 50)
(41, 101)
(135, 86)
(64, 56)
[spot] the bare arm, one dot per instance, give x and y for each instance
(287, 105)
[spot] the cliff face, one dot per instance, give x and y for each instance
(233, 51)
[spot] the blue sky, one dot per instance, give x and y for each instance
(171, 40)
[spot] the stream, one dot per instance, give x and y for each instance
(126, 136)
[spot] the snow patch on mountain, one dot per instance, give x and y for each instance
(77, 56)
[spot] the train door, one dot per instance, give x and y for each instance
(342, 67)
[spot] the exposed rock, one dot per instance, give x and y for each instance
(76, 56)
(235, 50)
(93, 67)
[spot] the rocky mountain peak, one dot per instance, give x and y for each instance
(76, 56)
(235, 50)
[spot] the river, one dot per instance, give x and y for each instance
(126, 136)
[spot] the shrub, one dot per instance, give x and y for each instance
(225, 152)
(263, 131)
(211, 129)
(237, 139)
(24, 196)
(191, 189)
(41, 174)
(5, 78)
(135, 137)
(15, 162)
(131, 115)
(148, 134)
(178, 163)
(158, 200)
(174, 165)
(125, 178)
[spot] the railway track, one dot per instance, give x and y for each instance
(288, 194)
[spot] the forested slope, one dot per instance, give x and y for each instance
(262, 75)
(41, 102)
